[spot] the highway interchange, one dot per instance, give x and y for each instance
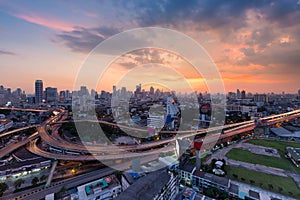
(146, 151)
(112, 151)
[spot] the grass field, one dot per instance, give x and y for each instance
(279, 145)
(249, 157)
(277, 184)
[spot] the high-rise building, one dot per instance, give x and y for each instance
(51, 95)
(172, 108)
(93, 93)
(68, 95)
(123, 92)
(243, 94)
(238, 94)
(38, 91)
(138, 88)
(114, 90)
(84, 91)
(260, 98)
(152, 90)
(62, 96)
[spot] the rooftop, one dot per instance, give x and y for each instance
(234, 188)
(24, 164)
(147, 187)
(282, 132)
(98, 187)
(254, 194)
(22, 154)
(295, 152)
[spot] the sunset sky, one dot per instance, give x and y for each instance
(255, 44)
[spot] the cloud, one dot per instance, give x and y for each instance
(46, 22)
(4, 52)
(219, 17)
(84, 39)
(207, 14)
(142, 57)
(248, 51)
(285, 13)
(253, 29)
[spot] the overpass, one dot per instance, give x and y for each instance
(107, 152)
(33, 148)
(273, 119)
(6, 150)
(17, 130)
(24, 109)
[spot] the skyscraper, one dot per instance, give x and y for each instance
(243, 94)
(152, 90)
(114, 90)
(238, 94)
(51, 95)
(38, 91)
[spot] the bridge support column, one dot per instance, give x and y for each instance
(198, 159)
(136, 165)
(181, 146)
(266, 130)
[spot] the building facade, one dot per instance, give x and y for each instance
(38, 91)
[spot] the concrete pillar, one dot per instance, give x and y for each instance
(198, 159)
(266, 130)
(136, 165)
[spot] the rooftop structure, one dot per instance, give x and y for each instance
(108, 187)
(294, 155)
(22, 154)
(5, 125)
(285, 134)
(202, 180)
(156, 185)
(22, 168)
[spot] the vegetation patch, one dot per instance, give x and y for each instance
(249, 157)
(282, 185)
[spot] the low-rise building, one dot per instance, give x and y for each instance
(294, 155)
(22, 168)
(5, 125)
(283, 133)
(201, 181)
(157, 185)
(105, 188)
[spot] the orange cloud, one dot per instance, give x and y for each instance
(46, 22)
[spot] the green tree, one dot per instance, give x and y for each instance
(270, 186)
(3, 188)
(18, 183)
(118, 174)
(63, 189)
(62, 172)
(43, 178)
(34, 181)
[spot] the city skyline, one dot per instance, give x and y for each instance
(147, 88)
(255, 44)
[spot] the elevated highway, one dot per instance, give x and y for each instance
(9, 149)
(24, 109)
(108, 152)
(17, 130)
(33, 148)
